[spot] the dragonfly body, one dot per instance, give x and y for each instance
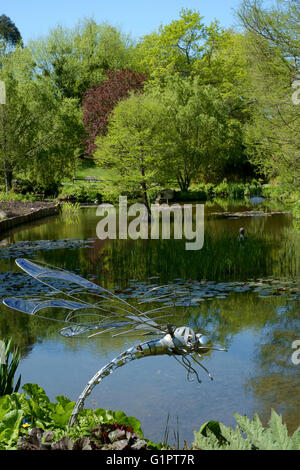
(179, 341)
(109, 312)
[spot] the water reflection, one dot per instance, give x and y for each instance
(277, 380)
(255, 375)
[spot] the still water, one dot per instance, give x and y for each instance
(245, 298)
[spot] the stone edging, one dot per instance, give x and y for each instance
(238, 215)
(7, 224)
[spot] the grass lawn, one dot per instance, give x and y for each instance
(88, 168)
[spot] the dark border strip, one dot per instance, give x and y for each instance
(8, 224)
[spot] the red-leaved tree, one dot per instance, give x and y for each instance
(99, 101)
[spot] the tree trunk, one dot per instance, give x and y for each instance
(144, 192)
(8, 177)
(145, 198)
(184, 182)
(7, 170)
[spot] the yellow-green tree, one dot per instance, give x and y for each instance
(133, 146)
(176, 47)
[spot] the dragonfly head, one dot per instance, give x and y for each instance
(185, 338)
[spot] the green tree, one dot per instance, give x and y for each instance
(10, 36)
(61, 144)
(188, 47)
(176, 47)
(273, 45)
(224, 66)
(132, 145)
(37, 125)
(217, 57)
(16, 121)
(199, 136)
(75, 59)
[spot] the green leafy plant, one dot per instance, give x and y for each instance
(248, 435)
(109, 436)
(10, 358)
(29, 418)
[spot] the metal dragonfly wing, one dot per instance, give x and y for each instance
(90, 307)
(94, 310)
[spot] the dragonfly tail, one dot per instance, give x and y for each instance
(149, 348)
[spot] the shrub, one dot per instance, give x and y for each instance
(272, 192)
(248, 435)
(11, 196)
(209, 189)
(255, 189)
(46, 189)
(221, 190)
(236, 190)
(88, 193)
(190, 196)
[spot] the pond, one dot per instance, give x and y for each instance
(245, 298)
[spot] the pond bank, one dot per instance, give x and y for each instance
(16, 212)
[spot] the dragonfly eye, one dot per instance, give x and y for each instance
(202, 340)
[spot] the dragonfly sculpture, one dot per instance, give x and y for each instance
(93, 310)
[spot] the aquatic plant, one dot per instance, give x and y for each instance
(222, 258)
(70, 207)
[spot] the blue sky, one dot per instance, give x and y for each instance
(34, 18)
